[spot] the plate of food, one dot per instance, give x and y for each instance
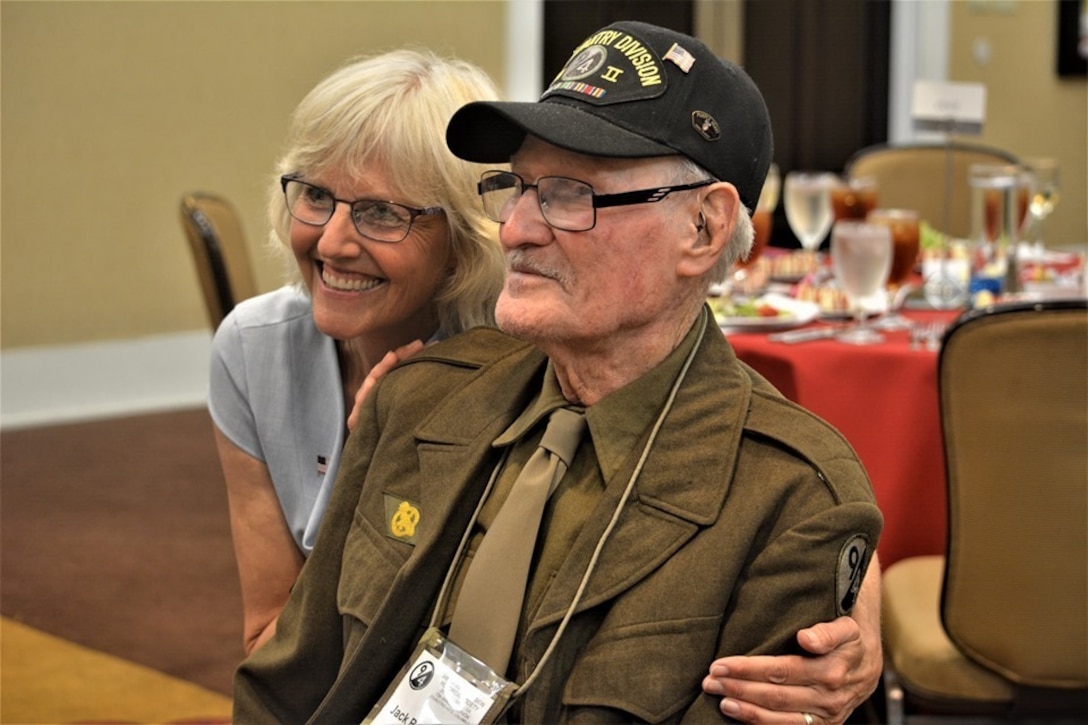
(768, 312)
(792, 267)
(828, 298)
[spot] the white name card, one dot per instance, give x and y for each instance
(951, 107)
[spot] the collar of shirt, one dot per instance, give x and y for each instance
(620, 420)
(548, 399)
(617, 422)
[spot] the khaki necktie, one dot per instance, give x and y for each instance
(486, 614)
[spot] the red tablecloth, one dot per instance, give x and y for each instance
(883, 398)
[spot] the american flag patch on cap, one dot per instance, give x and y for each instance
(683, 59)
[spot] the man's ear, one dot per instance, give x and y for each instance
(717, 212)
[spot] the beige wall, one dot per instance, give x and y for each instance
(112, 110)
(720, 24)
(1030, 110)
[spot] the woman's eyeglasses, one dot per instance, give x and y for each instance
(382, 221)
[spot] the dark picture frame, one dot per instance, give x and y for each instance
(1072, 61)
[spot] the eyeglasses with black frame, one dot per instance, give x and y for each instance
(382, 221)
(567, 204)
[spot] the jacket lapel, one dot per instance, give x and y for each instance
(453, 446)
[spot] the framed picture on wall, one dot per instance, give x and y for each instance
(1073, 37)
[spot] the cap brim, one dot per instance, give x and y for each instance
(491, 131)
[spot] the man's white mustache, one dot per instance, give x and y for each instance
(520, 260)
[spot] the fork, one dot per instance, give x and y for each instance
(917, 335)
(926, 333)
(934, 334)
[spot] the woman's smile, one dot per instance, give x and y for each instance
(340, 281)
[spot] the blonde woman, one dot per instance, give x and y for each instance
(388, 245)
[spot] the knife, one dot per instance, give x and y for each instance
(794, 336)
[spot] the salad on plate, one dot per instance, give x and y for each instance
(769, 311)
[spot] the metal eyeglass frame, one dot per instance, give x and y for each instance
(413, 212)
(598, 201)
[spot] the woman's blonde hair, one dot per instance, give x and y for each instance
(392, 109)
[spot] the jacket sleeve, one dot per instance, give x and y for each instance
(808, 572)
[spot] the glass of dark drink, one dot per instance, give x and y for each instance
(854, 198)
(906, 240)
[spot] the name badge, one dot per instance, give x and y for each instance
(442, 683)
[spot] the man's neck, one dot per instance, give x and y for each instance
(588, 373)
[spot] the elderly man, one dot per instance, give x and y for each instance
(701, 514)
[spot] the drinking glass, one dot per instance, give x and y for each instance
(995, 231)
(905, 229)
(946, 274)
(762, 216)
(1024, 189)
(853, 198)
(861, 257)
(1045, 189)
(993, 204)
(808, 206)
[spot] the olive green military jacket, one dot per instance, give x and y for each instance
(750, 520)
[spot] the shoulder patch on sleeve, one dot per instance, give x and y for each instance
(853, 561)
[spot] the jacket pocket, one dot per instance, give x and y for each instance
(651, 670)
(370, 562)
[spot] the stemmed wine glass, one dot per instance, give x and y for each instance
(861, 257)
(808, 206)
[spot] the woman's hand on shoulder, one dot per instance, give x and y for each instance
(827, 687)
(380, 369)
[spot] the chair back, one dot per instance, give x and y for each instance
(218, 245)
(1013, 382)
(920, 176)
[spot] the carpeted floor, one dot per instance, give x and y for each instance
(114, 535)
(47, 679)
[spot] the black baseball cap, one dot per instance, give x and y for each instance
(634, 90)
